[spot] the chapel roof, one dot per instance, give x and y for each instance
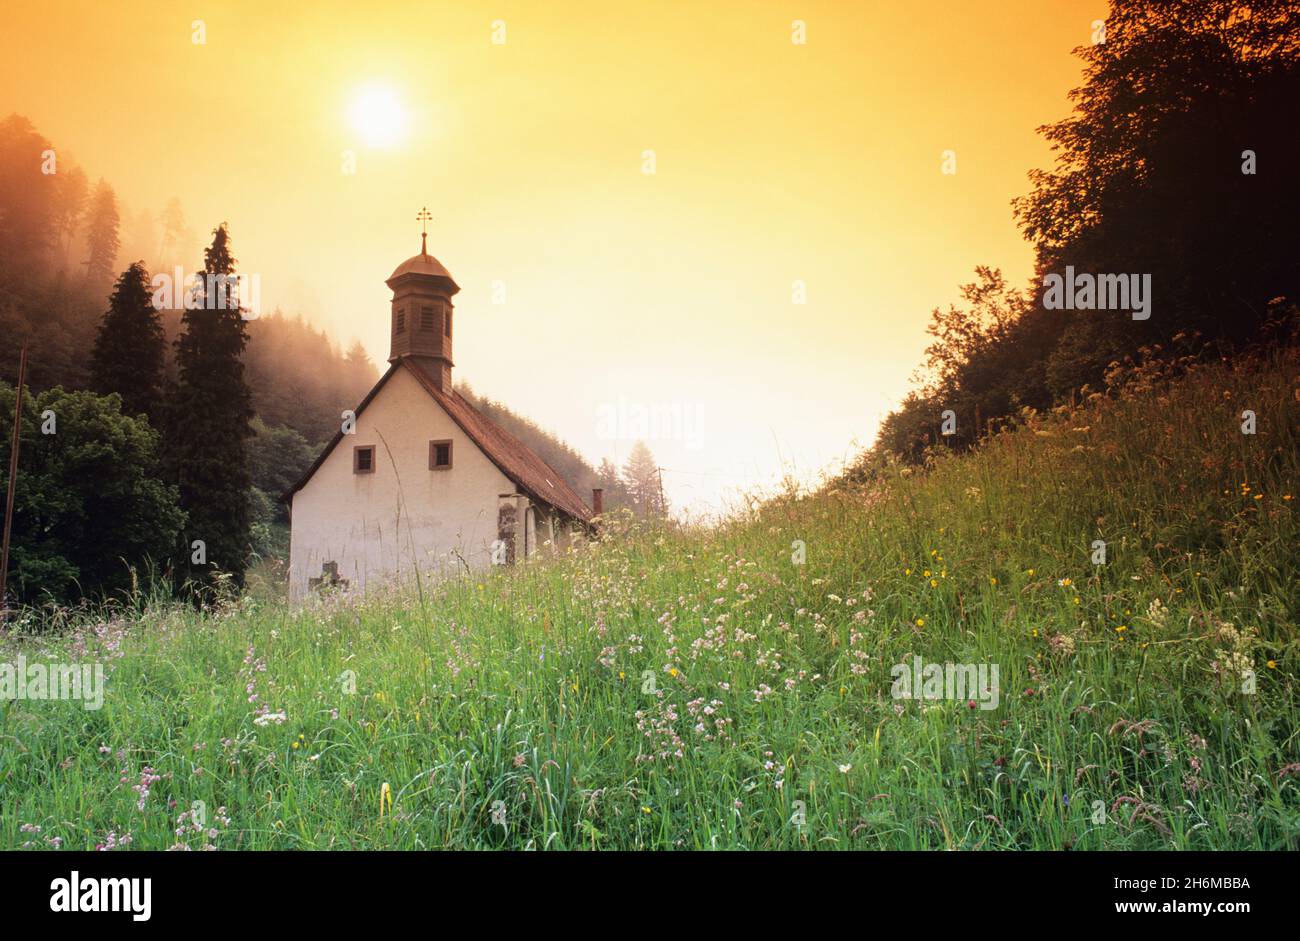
(421, 264)
(511, 456)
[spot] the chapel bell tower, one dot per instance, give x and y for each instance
(422, 312)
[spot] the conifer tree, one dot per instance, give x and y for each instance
(644, 487)
(608, 479)
(73, 197)
(360, 371)
(208, 419)
(102, 235)
(173, 230)
(130, 346)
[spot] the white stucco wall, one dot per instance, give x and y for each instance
(378, 526)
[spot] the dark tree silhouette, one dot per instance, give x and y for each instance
(1177, 163)
(130, 348)
(208, 418)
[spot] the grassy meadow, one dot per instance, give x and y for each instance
(730, 687)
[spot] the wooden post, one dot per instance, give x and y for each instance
(12, 489)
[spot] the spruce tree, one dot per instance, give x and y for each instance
(102, 235)
(129, 349)
(608, 479)
(173, 230)
(641, 477)
(359, 371)
(209, 415)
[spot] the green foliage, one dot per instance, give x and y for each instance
(1121, 722)
(89, 507)
(277, 457)
(269, 527)
(130, 348)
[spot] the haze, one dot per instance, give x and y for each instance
(775, 163)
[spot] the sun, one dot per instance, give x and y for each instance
(377, 115)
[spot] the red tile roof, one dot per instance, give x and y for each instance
(512, 457)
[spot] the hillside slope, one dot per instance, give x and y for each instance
(733, 687)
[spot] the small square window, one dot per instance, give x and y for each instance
(363, 460)
(401, 320)
(426, 318)
(440, 455)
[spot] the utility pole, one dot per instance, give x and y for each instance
(13, 480)
(663, 507)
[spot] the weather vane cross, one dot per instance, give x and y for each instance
(423, 217)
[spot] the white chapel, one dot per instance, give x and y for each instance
(418, 479)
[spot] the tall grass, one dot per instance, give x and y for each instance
(710, 688)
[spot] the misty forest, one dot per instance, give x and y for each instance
(106, 503)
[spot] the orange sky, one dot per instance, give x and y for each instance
(776, 162)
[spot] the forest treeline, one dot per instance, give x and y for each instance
(1174, 168)
(174, 430)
